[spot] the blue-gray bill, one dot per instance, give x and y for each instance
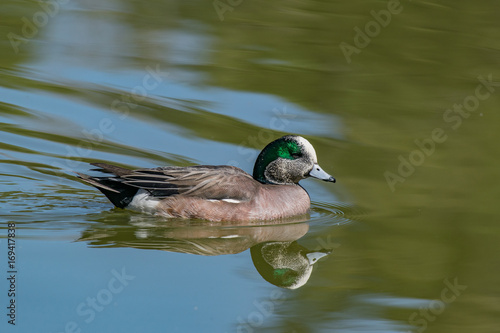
(312, 257)
(319, 173)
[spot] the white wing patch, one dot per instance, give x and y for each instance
(231, 200)
(226, 200)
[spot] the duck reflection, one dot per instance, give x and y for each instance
(275, 253)
(285, 264)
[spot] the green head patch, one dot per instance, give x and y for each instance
(285, 277)
(283, 148)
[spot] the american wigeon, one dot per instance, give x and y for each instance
(219, 192)
(285, 264)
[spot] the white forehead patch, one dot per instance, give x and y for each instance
(308, 148)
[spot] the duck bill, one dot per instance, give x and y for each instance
(319, 173)
(312, 257)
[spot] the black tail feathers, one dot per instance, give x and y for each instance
(113, 188)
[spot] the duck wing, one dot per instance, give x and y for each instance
(203, 181)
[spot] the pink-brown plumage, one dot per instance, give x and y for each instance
(268, 202)
(219, 193)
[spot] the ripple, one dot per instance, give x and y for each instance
(338, 213)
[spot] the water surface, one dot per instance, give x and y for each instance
(405, 120)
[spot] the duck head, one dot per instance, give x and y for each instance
(285, 264)
(288, 160)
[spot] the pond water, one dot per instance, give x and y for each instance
(399, 98)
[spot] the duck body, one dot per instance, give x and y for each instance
(218, 193)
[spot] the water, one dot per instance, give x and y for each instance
(399, 99)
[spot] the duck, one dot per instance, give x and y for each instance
(285, 264)
(218, 193)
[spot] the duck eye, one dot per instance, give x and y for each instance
(296, 155)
